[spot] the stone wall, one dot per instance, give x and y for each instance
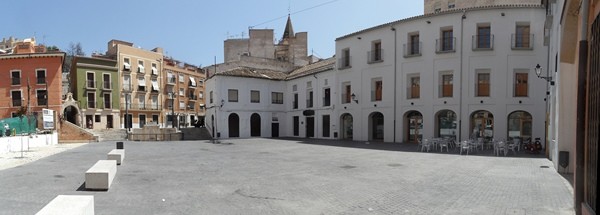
(70, 133)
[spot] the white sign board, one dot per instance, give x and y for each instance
(48, 118)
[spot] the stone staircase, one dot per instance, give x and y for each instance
(110, 134)
(196, 134)
(71, 133)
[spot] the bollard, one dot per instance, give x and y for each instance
(119, 145)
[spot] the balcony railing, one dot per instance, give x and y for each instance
(375, 56)
(346, 98)
(90, 84)
(376, 95)
(143, 106)
(16, 81)
(483, 90)
(41, 80)
(412, 49)
(482, 42)
(192, 97)
(142, 88)
(309, 103)
(326, 101)
(522, 41)
(107, 85)
(413, 92)
(445, 45)
(17, 102)
(520, 90)
(127, 87)
(171, 80)
(295, 104)
(446, 90)
(344, 62)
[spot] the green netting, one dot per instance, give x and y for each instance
(18, 125)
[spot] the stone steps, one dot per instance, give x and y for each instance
(110, 134)
(196, 134)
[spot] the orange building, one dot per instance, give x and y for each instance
(31, 80)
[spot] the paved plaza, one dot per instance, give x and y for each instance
(292, 176)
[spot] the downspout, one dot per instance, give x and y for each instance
(395, 81)
(581, 106)
(460, 94)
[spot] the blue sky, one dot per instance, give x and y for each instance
(194, 30)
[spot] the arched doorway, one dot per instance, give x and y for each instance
(255, 125)
(482, 125)
(234, 125)
(446, 124)
(346, 126)
(376, 126)
(71, 114)
(414, 120)
(519, 125)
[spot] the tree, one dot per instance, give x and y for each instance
(74, 49)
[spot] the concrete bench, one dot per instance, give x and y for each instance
(69, 204)
(100, 176)
(116, 154)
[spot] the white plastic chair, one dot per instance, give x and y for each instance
(465, 146)
(500, 146)
(425, 144)
(442, 144)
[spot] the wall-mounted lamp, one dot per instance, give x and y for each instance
(359, 38)
(502, 14)
(428, 22)
(354, 98)
(222, 102)
(538, 72)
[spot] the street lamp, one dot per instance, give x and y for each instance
(538, 72)
(172, 95)
(354, 98)
(126, 110)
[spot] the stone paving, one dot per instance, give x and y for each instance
(269, 176)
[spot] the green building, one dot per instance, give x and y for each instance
(94, 84)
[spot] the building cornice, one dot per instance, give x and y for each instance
(32, 55)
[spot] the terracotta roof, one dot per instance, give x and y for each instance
(320, 66)
(253, 73)
(457, 10)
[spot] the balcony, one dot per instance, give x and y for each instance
(41, 80)
(90, 84)
(142, 106)
(344, 62)
(126, 67)
(142, 89)
(412, 49)
(127, 87)
(445, 45)
(192, 97)
(521, 41)
(482, 42)
(375, 56)
(16, 81)
(107, 85)
(171, 81)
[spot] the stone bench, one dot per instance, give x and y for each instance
(69, 204)
(116, 154)
(101, 175)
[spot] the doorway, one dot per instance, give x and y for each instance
(376, 122)
(310, 126)
(414, 119)
(234, 125)
(255, 125)
(109, 121)
(274, 129)
(346, 126)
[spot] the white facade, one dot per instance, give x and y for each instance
(462, 60)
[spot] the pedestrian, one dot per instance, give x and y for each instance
(90, 123)
(7, 129)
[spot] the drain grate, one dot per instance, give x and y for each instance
(395, 165)
(544, 167)
(348, 167)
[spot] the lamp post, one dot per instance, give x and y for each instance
(126, 118)
(354, 98)
(538, 72)
(172, 95)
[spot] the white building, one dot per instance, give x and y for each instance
(455, 73)
(476, 67)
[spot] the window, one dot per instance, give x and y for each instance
(142, 102)
(154, 100)
(91, 100)
(296, 122)
(326, 125)
(254, 96)
(182, 105)
(308, 84)
(16, 98)
(15, 77)
(141, 68)
(309, 99)
(142, 84)
(521, 84)
(522, 38)
(484, 37)
(414, 45)
(154, 69)
(437, 7)
(483, 84)
(447, 41)
(375, 55)
(42, 97)
(181, 78)
(90, 80)
(447, 85)
(345, 59)
(106, 81)
(40, 75)
(276, 98)
(154, 82)
(170, 78)
(451, 4)
(232, 95)
(347, 95)
(295, 102)
(294, 88)
(107, 101)
(326, 97)
(126, 64)
(210, 97)
(97, 118)
(415, 88)
(181, 92)
(126, 83)
(376, 89)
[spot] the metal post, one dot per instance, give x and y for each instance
(173, 109)
(126, 111)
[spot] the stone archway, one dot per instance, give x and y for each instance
(71, 111)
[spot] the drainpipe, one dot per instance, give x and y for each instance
(581, 106)
(460, 94)
(395, 81)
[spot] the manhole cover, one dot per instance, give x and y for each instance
(395, 165)
(59, 176)
(543, 167)
(348, 167)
